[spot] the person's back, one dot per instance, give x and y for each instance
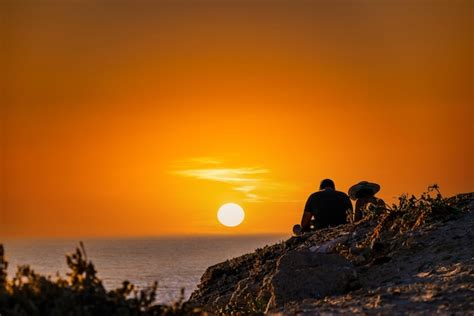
(329, 208)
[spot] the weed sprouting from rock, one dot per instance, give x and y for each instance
(412, 212)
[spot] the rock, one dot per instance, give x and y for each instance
(329, 246)
(376, 245)
(358, 260)
(305, 274)
(381, 260)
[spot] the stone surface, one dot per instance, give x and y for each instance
(302, 274)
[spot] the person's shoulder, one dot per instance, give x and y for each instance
(342, 194)
(317, 196)
(314, 194)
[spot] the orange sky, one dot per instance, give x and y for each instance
(135, 118)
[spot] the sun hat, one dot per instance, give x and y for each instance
(363, 185)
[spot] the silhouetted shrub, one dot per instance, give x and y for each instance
(81, 293)
(412, 212)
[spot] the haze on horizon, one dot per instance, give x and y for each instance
(140, 118)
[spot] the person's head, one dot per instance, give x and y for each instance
(364, 193)
(327, 184)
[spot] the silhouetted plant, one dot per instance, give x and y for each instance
(412, 212)
(82, 293)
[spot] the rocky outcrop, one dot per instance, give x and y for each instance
(302, 274)
(416, 257)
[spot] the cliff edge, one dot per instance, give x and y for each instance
(416, 256)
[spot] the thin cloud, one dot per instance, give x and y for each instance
(252, 182)
(226, 175)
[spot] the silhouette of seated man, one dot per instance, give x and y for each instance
(325, 208)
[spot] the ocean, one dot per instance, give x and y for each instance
(175, 262)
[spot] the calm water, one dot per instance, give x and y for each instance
(173, 262)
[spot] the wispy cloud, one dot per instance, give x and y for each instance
(227, 175)
(253, 182)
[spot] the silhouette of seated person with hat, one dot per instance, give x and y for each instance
(325, 208)
(364, 195)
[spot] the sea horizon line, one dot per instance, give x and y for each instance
(145, 237)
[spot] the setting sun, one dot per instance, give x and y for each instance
(230, 214)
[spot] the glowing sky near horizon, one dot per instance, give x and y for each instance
(139, 118)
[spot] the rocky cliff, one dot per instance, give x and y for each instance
(416, 256)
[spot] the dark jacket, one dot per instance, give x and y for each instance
(329, 208)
